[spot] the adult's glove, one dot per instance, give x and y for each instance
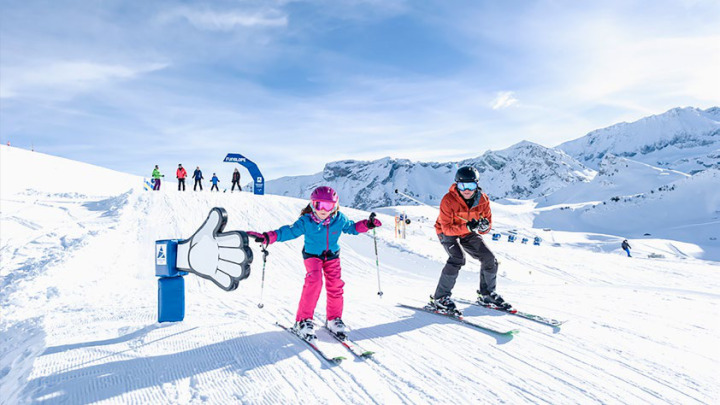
(223, 258)
(266, 238)
(484, 225)
(481, 226)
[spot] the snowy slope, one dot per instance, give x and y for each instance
(687, 210)
(616, 177)
(78, 313)
(524, 170)
(684, 139)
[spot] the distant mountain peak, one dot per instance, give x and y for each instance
(678, 139)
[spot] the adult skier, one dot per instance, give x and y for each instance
(236, 180)
(156, 178)
(626, 247)
(214, 180)
(197, 175)
(465, 215)
(322, 224)
(181, 174)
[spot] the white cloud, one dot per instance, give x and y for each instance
(229, 20)
(63, 78)
(503, 99)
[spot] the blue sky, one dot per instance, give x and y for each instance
(293, 85)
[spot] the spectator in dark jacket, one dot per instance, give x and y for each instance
(197, 175)
(236, 180)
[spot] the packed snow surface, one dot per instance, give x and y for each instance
(78, 307)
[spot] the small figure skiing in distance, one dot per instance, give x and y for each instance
(322, 224)
(626, 247)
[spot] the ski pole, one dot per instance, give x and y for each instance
(262, 283)
(377, 261)
(413, 199)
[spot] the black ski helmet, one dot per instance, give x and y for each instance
(467, 174)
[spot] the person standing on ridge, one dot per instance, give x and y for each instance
(156, 178)
(465, 215)
(322, 224)
(181, 174)
(626, 247)
(197, 175)
(236, 180)
(214, 180)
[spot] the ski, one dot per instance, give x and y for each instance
(512, 311)
(353, 347)
(462, 320)
(311, 343)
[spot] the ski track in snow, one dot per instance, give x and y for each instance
(79, 310)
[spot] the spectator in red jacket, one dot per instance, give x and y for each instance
(181, 174)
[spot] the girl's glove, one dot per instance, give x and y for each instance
(266, 238)
(373, 222)
(367, 224)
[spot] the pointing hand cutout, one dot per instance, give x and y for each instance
(223, 258)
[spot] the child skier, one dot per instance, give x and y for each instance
(214, 180)
(322, 224)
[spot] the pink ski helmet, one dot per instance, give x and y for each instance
(324, 198)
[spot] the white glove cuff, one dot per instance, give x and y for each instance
(183, 255)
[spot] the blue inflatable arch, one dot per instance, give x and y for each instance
(258, 179)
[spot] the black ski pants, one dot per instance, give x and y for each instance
(181, 182)
(456, 247)
(197, 183)
(236, 182)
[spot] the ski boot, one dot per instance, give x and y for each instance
(305, 330)
(337, 326)
(444, 305)
(493, 299)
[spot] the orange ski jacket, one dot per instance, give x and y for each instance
(454, 213)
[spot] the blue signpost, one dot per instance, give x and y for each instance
(258, 179)
(171, 285)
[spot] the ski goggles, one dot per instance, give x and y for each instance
(467, 186)
(323, 205)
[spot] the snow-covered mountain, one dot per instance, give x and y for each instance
(525, 170)
(78, 304)
(656, 150)
(683, 139)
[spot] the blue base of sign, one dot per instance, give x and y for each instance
(171, 299)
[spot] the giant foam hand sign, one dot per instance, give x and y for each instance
(223, 258)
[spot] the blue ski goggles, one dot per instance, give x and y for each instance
(467, 186)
